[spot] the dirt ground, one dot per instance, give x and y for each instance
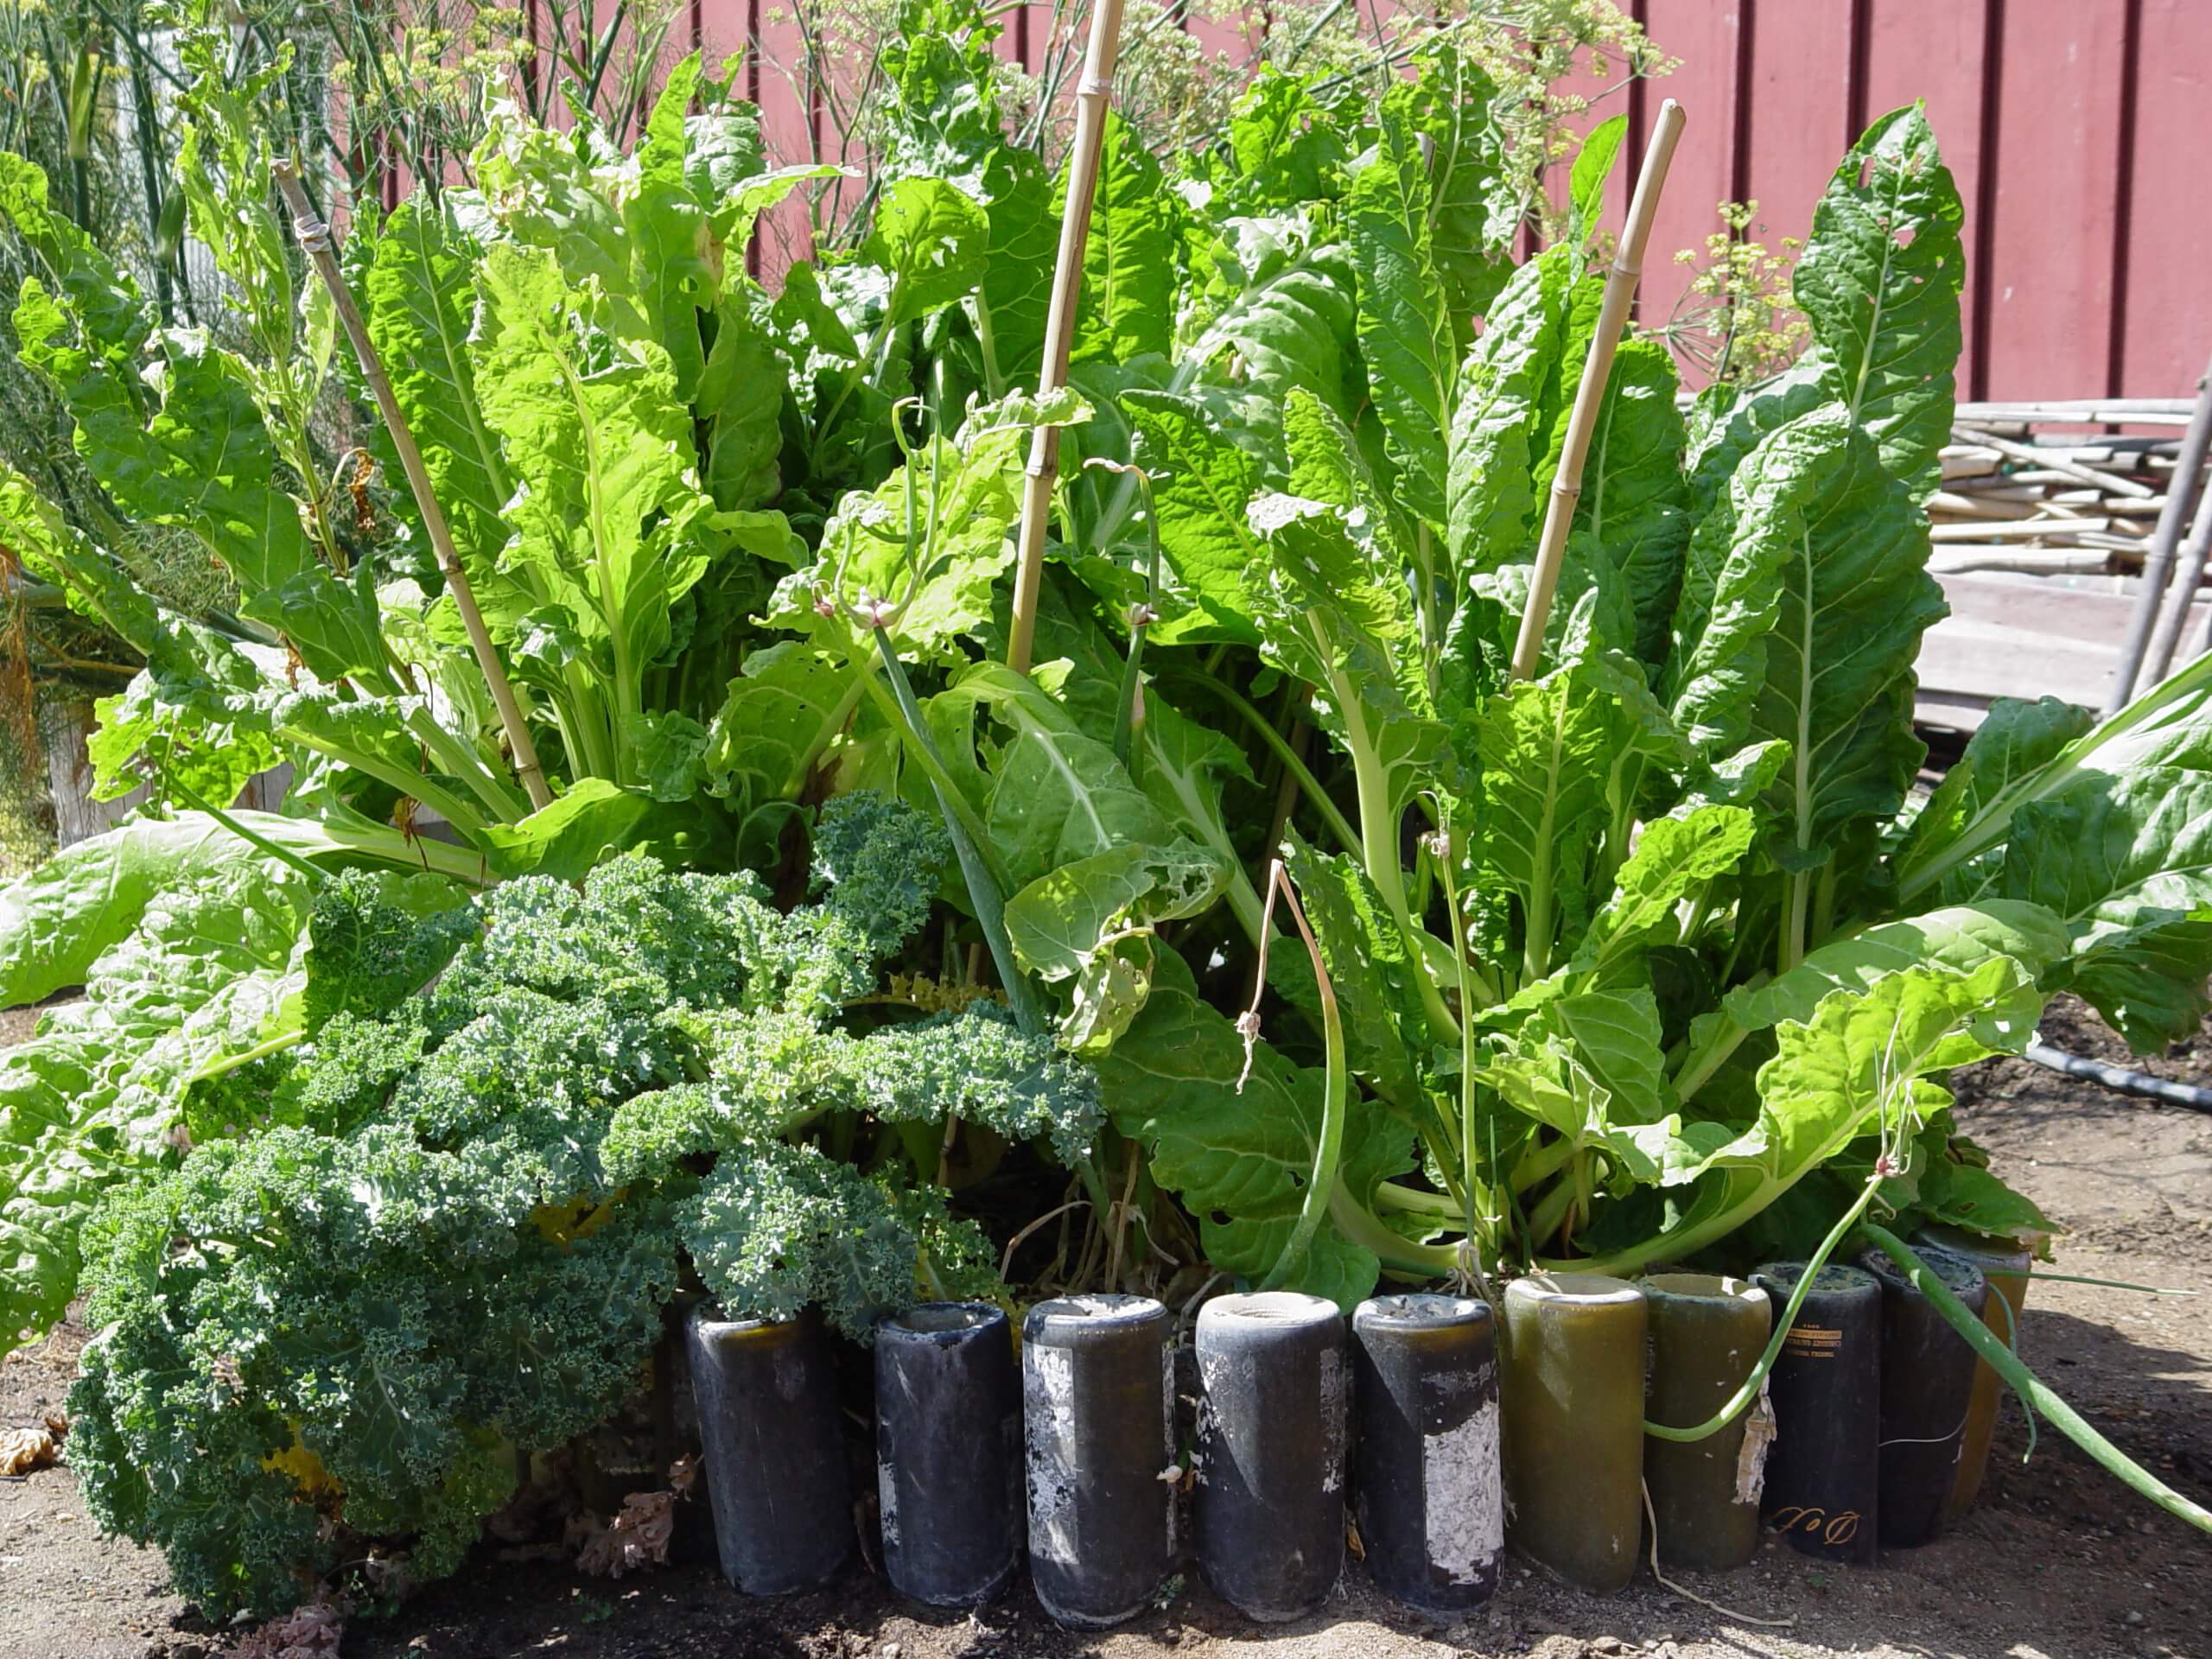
(2058, 1563)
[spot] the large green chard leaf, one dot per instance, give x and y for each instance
(941, 113)
(1674, 857)
(2015, 741)
(1634, 498)
(606, 518)
(1961, 939)
(1092, 921)
(740, 397)
(1053, 794)
(1330, 617)
(1289, 321)
(2126, 864)
(1128, 259)
(1474, 211)
(1858, 1064)
(1012, 301)
(1182, 765)
(1201, 484)
(676, 268)
(1560, 761)
(1239, 1159)
(2170, 725)
(940, 566)
(56, 921)
(1815, 619)
(1501, 426)
(941, 118)
(1879, 280)
(418, 295)
(1286, 149)
(931, 236)
(1406, 329)
(557, 193)
(776, 723)
(1592, 172)
(594, 819)
(212, 964)
(1589, 1067)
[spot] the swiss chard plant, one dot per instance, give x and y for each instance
(1652, 955)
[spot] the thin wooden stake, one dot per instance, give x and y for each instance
(315, 240)
(1090, 100)
(1613, 318)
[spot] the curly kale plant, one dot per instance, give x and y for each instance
(453, 1231)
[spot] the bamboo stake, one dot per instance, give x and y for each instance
(1092, 93)
(315, 241)
(1613, 318)
(2151, 608)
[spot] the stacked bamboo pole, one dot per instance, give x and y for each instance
(2024, 501)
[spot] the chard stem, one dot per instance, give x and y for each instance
(1328, 1149)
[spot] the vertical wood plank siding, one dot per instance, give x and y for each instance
(2077, 129)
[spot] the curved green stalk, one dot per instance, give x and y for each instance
(1358, 1225)
(260, 1050)
(283, 856)
(2031, 1389)
(1336, 1090)
(1412, 1201)
(1467, 1072)
(1741, 1400)
(1378, 831)
(985, 886)
(1308, 785)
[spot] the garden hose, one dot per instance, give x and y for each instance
(2120, 1079)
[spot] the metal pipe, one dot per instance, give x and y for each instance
(2173, 617)
(2158, 565)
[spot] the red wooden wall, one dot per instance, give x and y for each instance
(2079, 133)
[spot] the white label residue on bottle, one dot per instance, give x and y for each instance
(1465, 1495)
(1048, 1401)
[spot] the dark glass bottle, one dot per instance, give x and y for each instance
(1270, 1502)
(1926, 1391)
(1098, 1404)
(1823, 1471)
(774, 1444)
(948, 1451)
(1707, 1333)
(1429, 1492)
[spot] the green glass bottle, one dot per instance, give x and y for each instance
(1706, 1335)
(1571, 1404)
(2006, 1267)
